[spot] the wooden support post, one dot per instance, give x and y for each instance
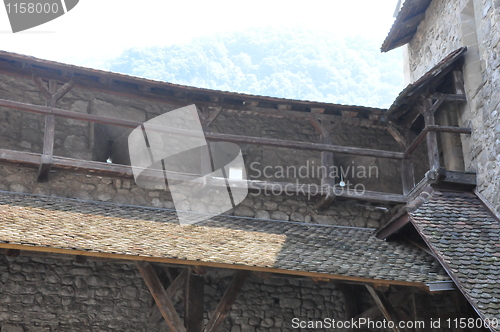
(48, 148)
(407, 176)
(432, 143)
(194, 303)
(161, 298)
(52, 94)
(227, 301)
(324, 128)
(385, 307)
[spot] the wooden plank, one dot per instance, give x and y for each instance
(176, 285)
(48, 148)
(161, 298)
(226, 302)
(432, 143)
(385, 307)
(451, 97)
(194, 303)
(209, 136)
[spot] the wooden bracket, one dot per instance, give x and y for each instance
(227, 301)
(176, 285)
(385, 307)
(52, 94)
(161, 297)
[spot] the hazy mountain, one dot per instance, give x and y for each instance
(292, 64)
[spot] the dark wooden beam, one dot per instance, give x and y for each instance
(393, 227)
(385, 307)
(175, 286)
(209, 136)
(48, 148)
(123, 171)
(194, 303)
(397, 135)
(227, 301)
(161, 298)
(449, 97)
(432, 142)
(407, 175)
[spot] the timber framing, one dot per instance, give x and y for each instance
(162, 92)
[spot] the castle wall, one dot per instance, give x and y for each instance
(447, 26)
(58, 294)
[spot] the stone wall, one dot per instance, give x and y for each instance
(476, 24)
(58, 294)
(122, 191)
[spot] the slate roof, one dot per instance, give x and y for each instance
(49, 223)
(465, 236)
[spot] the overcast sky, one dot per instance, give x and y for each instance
(96, 30)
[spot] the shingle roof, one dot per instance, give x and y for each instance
(405, 26)
(48, 223)
(466, 238)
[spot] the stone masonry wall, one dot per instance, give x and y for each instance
(57, 294)
(121, 191)
(476, 24)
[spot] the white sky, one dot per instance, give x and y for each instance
(96, 30)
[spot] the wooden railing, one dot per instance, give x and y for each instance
(100, 168)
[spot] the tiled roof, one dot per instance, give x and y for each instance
(466, 238)
(50, 223)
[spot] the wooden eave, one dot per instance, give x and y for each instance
(417, 90)
(181, 95)
(406, 24)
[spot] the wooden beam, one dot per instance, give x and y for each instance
(185, 262)
(385, 307)
(227, 301)
(123, 171)
(194, 303)
(450, 97)
(209, 136)
(393, 227)
(397, 135)
(48, 148)
(161, 298)
(432, 143)
(175, 286)
(407, 175)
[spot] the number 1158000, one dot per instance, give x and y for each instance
(31, 7)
